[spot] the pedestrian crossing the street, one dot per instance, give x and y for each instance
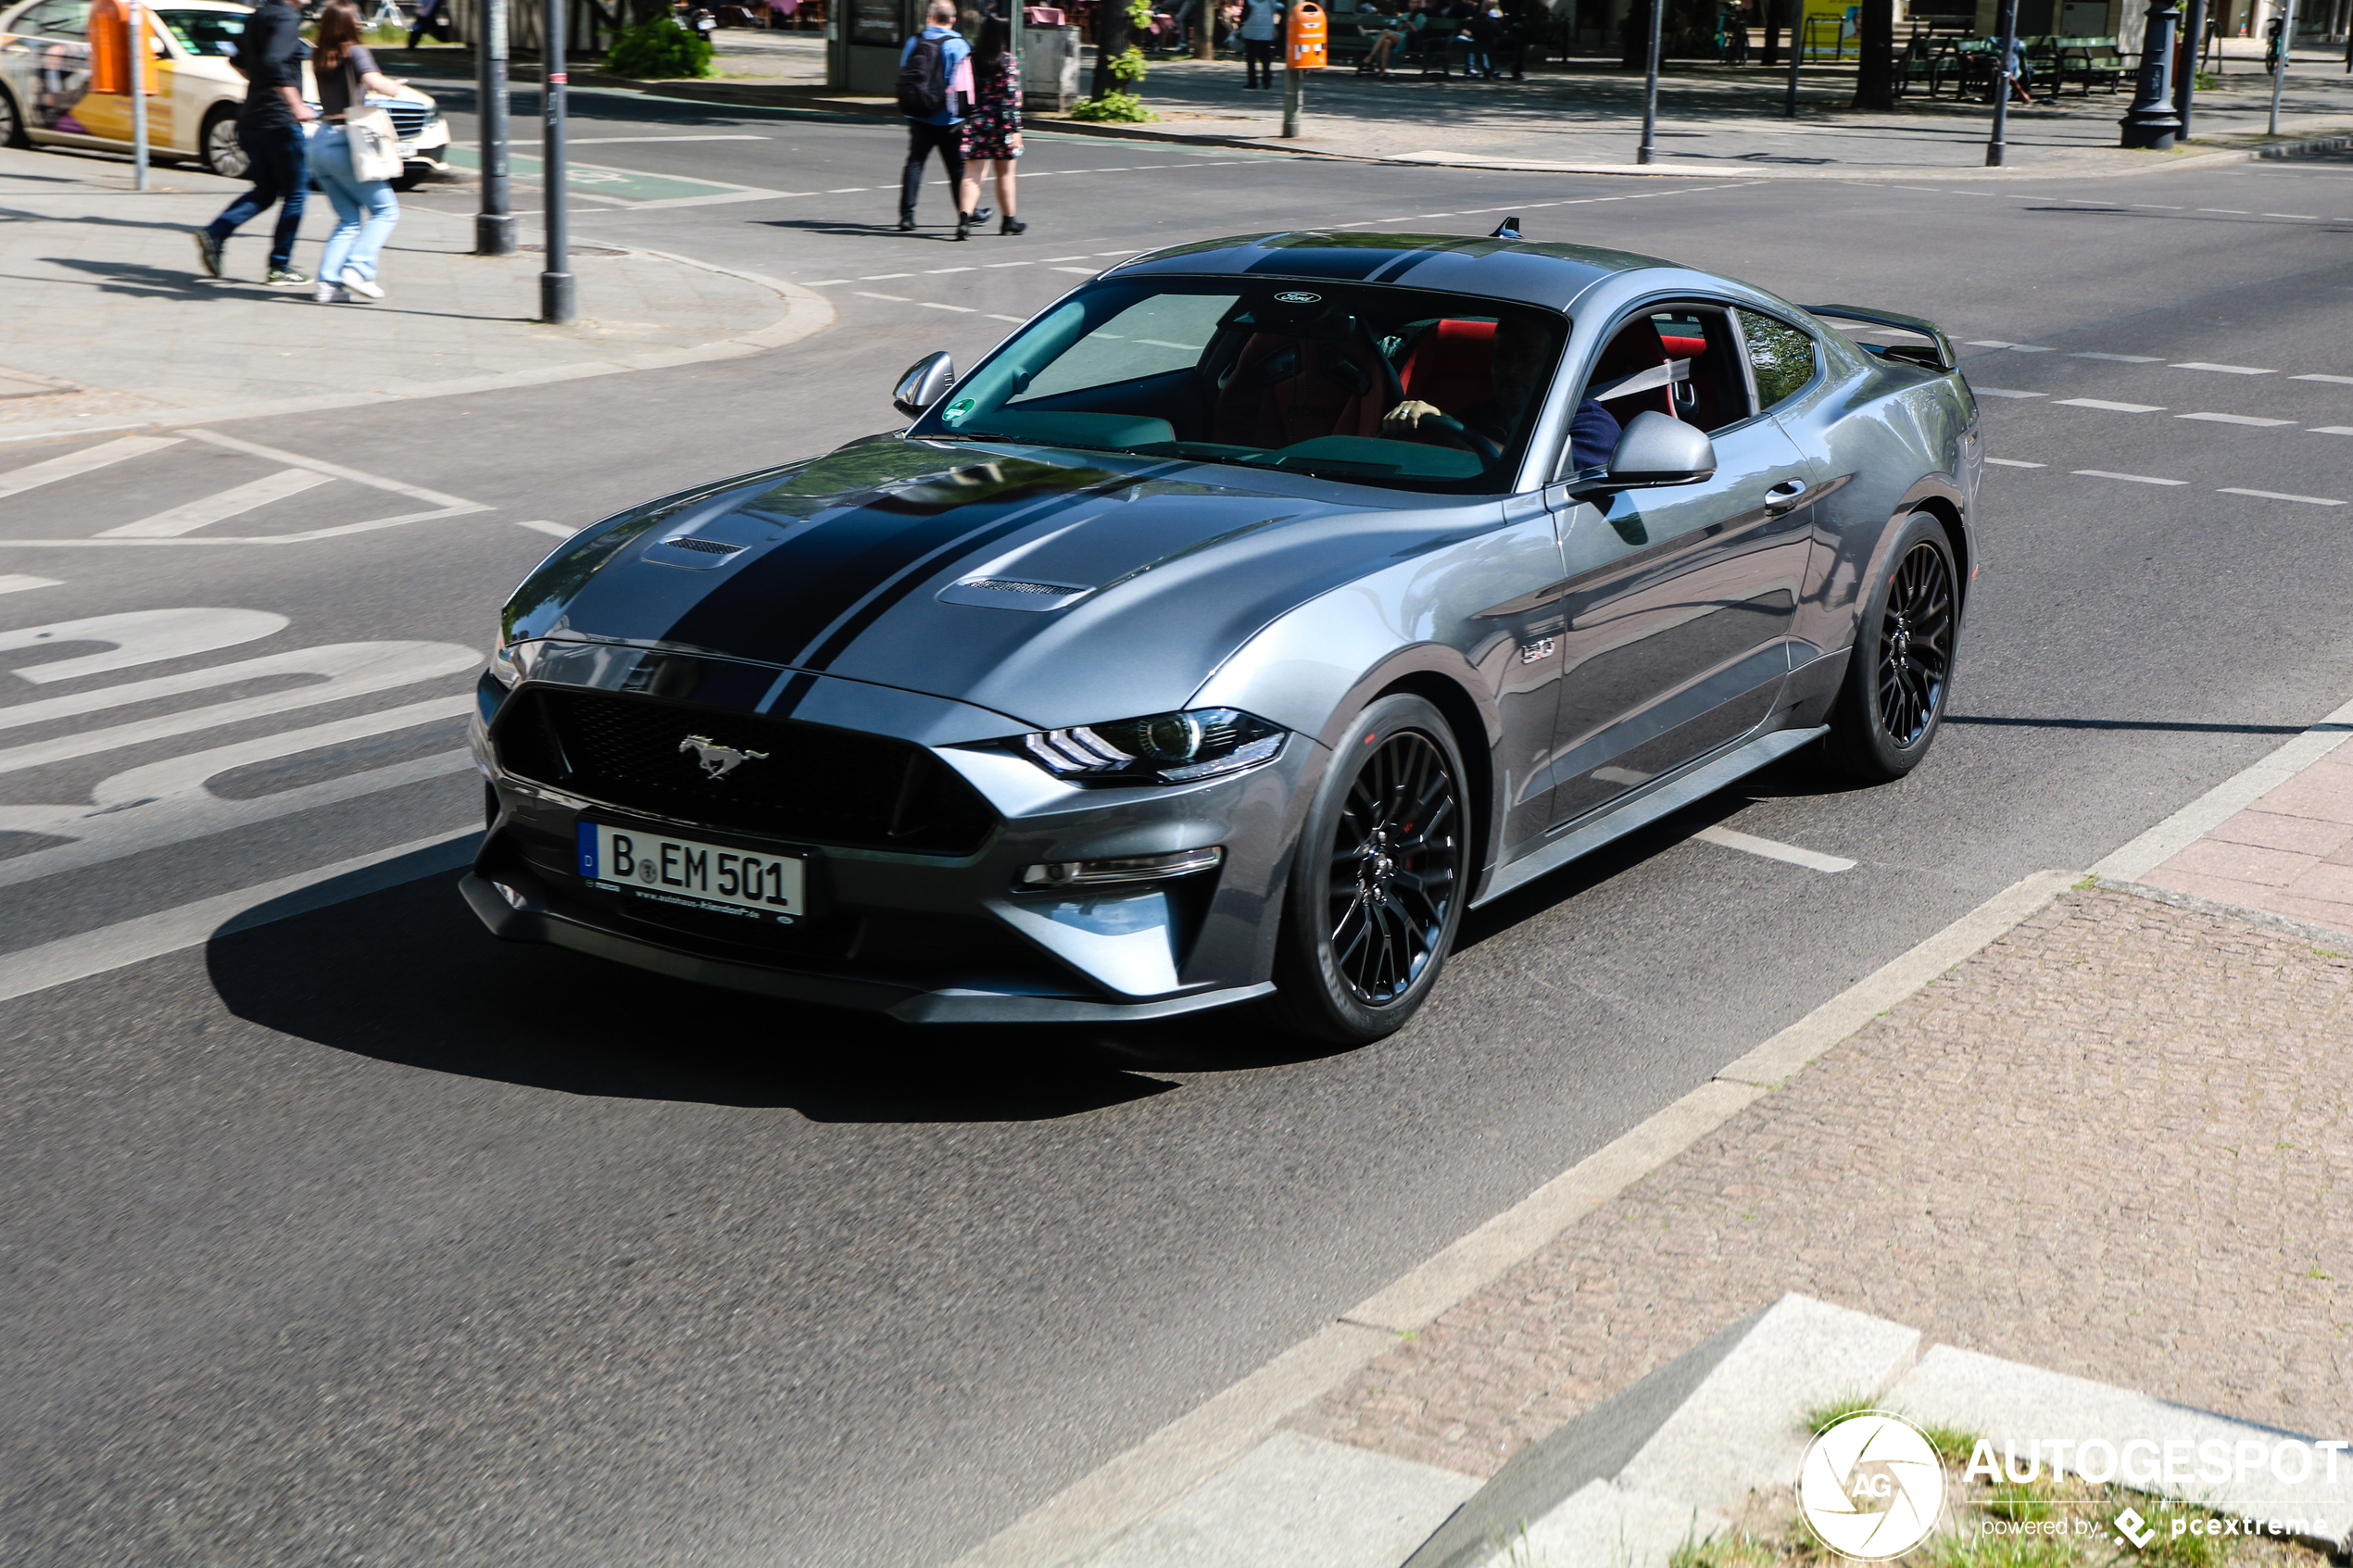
(201, 488)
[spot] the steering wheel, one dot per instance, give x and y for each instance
(1488, 452)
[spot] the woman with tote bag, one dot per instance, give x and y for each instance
(992, 129)
(355, 156)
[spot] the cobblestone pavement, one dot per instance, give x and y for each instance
(2113, 1144)
(111, 319)
(2291, 852)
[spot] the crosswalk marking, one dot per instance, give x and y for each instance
(134, 637)
(540, 525)
(16, 582)
(15, 482)
(193, 515)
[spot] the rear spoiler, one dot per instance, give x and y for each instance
(1934, 355)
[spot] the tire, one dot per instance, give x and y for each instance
(1378, 880)
(12, 133)
(1891, 703)
(217, 143)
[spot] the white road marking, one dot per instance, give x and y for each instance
(1015, 319)
(165, 803)
(188, 518)
(2005, 392)
(964, 309)
(167, 930)
(2111, 407)
(2332, 430)
(2134, 478)
(136, 636)
(994, 265)
(847, 190)
(2339, 381)
(337, 671)
(1065, 258)
(2119, 359)
(612, 141)
(1119, 252)
(1773, 849)
(554, 530)
(1082, 271)
(2163, 206)
(2234, 211)
(2279, 495)
(2303, 217)
(2226, 369)
(936, 272)
(2015, 463)
(2234, 419)
(2013, 347)
(829, 282)
(17, 582)
(883, 277)
(869, 294)
(15, 482)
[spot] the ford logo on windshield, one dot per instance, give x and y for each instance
(1295, 298)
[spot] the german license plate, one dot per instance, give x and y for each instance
(692, 875)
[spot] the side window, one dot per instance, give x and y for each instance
(60, 19)
(1683, 361)
(1780, 357)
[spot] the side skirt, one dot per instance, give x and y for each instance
(1665, 800)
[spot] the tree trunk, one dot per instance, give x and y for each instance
(1110, 41)
(1875, 71)
(1636, 38)
(1773, 31)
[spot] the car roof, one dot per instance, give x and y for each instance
(1531, 272)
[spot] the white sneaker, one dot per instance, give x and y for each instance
(358, 284)
(326, 292)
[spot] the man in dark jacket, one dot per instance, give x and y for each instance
(270, 55)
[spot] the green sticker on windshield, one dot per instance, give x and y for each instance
(959, 409)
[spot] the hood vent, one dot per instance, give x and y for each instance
(1014, 593)
(695, 555)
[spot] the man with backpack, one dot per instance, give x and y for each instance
(935, 86)
(270, 58)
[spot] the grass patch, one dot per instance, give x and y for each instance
(1819, 1419)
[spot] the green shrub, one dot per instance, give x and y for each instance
(659, 48)
(1123, 108)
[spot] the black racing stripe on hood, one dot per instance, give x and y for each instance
(1402, 266)
(775, 607)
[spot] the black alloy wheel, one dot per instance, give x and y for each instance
(1900, 674)
(1378, 890)
(1916, 644)
(11, 122)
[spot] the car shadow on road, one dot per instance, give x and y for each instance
(407, 976)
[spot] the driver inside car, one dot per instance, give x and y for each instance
(1516, 378)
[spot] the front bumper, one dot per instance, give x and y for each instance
(943, 936)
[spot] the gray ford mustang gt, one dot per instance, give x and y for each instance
(1238, 622)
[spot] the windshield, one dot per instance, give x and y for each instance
(204, 32)
(1402, 388)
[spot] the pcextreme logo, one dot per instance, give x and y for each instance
(1871, 1487)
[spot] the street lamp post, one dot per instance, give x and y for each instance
(1996, 149)
(2185, 91)
(2151, 123)
(1650, 87)
(139, 63)
(556, 301)
(1796, 53)
(495, 224)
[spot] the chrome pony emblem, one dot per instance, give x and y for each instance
(718, 760)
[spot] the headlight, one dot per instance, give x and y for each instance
(1158, 748)
(503, 666)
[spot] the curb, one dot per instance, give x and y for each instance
(1129, 1488)
(807, 312)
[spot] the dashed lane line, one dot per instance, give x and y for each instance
(17, 582)
(2338, 381)
(540, 525)
(2119, 359)
(2015, 463)
(1773, 849)
(2279, 495)
(2129, 478)
(2111, 407)
(960, 309)
(2005, 392)
(869, 294)
(2225, 370)
(2331, 430)
(2234, 419)
(2013, 347)
(1082, 271)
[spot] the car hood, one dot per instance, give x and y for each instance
(1051, 586)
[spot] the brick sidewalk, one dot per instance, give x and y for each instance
(2291, 852)
(2113, 1144)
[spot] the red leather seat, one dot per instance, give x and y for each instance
(1451, 366)
(1287, 389)
(1636, 349)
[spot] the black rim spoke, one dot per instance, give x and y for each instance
(1394, 863)
(1916, 637)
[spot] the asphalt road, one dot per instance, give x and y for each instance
(359, 1238)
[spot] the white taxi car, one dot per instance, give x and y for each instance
(46, 96)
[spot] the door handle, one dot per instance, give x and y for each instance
(1784, 495)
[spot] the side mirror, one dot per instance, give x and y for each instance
(1655, 450)
(925, 383)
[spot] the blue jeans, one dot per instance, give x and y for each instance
(281, 173)
(365, 209)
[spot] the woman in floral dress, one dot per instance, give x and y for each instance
(992, 129)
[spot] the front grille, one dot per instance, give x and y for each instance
(409, 119)
(807, 783)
